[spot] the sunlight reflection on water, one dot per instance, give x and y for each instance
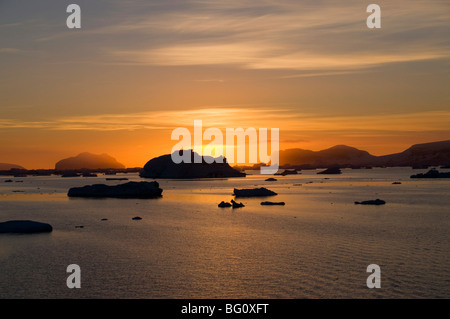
(317, 246)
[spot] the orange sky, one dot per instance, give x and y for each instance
(136, 70)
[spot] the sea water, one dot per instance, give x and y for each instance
(316, 246)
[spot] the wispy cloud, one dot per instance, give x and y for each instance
(10, 124)
(168, 120)
(256, 56)
(222, 118)
(295, 35)
(10, 50)
(315, 36)
(10, 25)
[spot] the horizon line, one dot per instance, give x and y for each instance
(242, 164)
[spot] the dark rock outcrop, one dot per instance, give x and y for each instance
(271, 179)
(224, 204)
(236, 204)
(24, 227)
(253, 192)
(71, 174)
(287, 172)
(332, 170)
(273, 203)
(88, 161)
(89, 175)
(164, 167)
(432, 173)
(372, 202)
(127, 190)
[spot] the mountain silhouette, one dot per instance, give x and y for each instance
(335, 156)
(435, 153)
(88, 161)
(7, 166)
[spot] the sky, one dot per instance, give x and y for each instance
(136, 70)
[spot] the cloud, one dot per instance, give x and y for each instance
(256, 56)
(245, 117)
(298, 35)
(401, 122)
(10, 50)
(10, 25)
(10, 124)
(323, 36)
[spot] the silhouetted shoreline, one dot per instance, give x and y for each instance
(79, 173)
(418, 156)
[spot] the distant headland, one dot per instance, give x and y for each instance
(88, 161)
(7, 167)
(84, 164)
(342, 156)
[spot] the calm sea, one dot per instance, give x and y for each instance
(316, 246)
